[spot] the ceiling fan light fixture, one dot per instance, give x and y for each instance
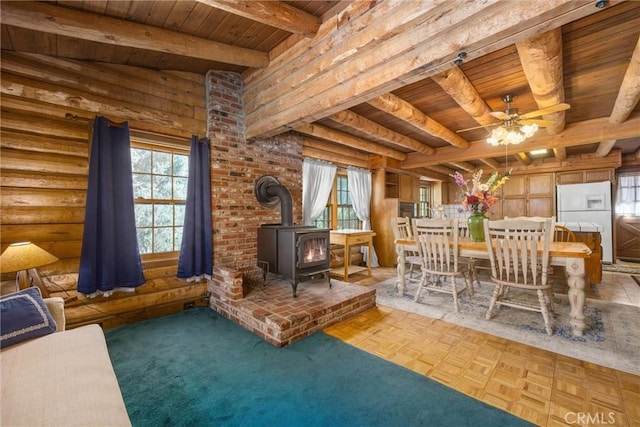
(505, 135)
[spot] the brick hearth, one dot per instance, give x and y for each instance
(273, 314)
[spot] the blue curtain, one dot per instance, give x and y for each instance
(110, 259)
(196, 252)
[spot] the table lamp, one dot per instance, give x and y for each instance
(24, 258)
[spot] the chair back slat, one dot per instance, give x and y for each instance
(513, 247)
(401, 227)
(437, 243)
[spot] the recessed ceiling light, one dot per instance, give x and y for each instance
(540, 152)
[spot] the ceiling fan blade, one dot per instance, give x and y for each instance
(500, 115)
(478, 127)
(541, 123)
(543, 111)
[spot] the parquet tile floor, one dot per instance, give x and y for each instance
(540, 386)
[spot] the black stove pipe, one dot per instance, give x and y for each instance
(269, 191)
(286, 203)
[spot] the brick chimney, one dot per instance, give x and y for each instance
(235, 166)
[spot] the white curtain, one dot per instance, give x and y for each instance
(628, 198)
(359, 181)
(317, 181)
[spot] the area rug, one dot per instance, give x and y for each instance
(197, 368)
(611, 338)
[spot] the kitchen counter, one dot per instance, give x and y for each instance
(590, 234)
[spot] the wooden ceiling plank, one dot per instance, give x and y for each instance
(457, 85)
(273, 13)
(342, 138)
(403, 110)
(587, 132)
(102, 29)
(541, 58)
(356, 121)
(492, 29)
(629, 93)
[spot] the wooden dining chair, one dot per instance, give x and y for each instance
(401, 227)
(563, 234)
(516, 263)
(438, 248)
(560, 234)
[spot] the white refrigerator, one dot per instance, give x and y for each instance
(589, 202)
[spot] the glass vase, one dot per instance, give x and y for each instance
(475, 223)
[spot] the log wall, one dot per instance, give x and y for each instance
(44, 156)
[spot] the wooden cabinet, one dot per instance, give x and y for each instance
(528, 195)
(400, 186)
(409, 188)
(582, 176)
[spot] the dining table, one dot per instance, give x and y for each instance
(570, 255)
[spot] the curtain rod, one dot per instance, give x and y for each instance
(137, 133)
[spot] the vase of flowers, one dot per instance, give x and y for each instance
(478, 198)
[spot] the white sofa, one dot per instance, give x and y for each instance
(64, 378)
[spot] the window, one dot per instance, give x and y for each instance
(339, 213)
(160, 177)
(424, 201)
(628, 200)
(347, 217)
(324, 220)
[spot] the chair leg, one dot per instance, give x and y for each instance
(494, 298)
(545, 311)
(423, 280)
(454, 291)
(548, 295)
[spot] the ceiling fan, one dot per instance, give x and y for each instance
(510, 118)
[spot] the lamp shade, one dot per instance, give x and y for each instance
(23, 256)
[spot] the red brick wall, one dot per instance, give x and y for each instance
(235, 166)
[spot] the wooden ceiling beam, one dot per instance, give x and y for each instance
(605, 147)
(63, 21)
(541, 58)
(345, 139)
(629, 93)
(403, 110)
(524, 158)
(560, 153)
(587, 132)
(490, 162)
(410, 45)
(464, 166)
(272, 13)
(356, 121)
(338, 150)
(457, 85)
(443, 170)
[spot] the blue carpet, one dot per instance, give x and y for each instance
(196, 368)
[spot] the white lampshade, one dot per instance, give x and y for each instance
(24, 256)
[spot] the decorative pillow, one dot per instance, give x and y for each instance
(23, 316)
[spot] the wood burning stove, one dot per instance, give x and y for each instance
(292, 251)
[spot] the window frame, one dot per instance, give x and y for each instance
(332, 203)
(425, 206)
(173, 149)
